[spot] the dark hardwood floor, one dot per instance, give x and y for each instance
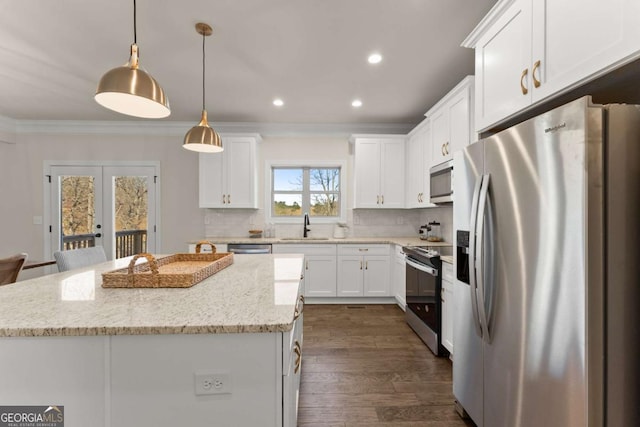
(363, 366)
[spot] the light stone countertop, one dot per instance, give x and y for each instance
(257, 293)
(447, 258)
(404, 241)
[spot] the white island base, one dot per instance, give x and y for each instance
(147, 380)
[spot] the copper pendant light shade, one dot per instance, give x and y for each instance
(131, 90)
(202, 137)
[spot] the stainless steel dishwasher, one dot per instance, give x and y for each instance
(249, 248)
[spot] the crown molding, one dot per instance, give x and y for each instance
(7, 130)
(166, 128)
(489, 19)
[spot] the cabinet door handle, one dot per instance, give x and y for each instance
(522, 87)
(536, 66)
(382, 198)
(306, 265)
(366, 265)
(224, 199)
(446, 148)
(377, 200)
(363, 249)
(229, 199)
(442, 149)
(360, 265)
(297, 349)
(299, 308)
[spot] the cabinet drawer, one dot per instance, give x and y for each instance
(447, 272)
(363, 250)
(304, 249)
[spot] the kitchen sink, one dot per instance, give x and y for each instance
(305, 238)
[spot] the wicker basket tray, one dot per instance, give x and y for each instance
(173, 271)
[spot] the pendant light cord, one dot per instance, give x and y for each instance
(203, 62)
(135, 32)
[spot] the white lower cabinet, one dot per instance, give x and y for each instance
(319, 267)
(448, 307)
(363, 270)
(291, 368)
(399, 276)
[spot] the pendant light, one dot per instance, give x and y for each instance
(131, 90)
(202, 137)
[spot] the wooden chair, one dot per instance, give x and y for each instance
(77, 258)
(10, 268)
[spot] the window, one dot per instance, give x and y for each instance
(299, 190)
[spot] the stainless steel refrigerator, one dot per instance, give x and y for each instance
(546, 329)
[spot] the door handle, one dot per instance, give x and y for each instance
(480, 256)
(536, 66)
(472, 256)
(522, 86)
(98, 235)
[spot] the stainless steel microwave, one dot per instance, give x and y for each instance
(441, 183)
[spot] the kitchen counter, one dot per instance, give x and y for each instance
(404, 241)
(447, 258)
(257, 293)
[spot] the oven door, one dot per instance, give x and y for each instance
(422, 293)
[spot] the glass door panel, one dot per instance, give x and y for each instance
(130, 201)
(77, 207)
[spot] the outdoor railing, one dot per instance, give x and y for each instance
(78, 241)
(128, 242)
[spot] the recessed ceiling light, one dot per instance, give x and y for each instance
(356, 103)
(278, 102)
(374, 58)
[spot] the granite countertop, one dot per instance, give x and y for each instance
(447, 258)
(257, 293)
(403, 241)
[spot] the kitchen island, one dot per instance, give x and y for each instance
(142, 357)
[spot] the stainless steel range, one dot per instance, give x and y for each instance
(423, 288)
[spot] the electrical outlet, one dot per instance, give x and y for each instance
(212, 383)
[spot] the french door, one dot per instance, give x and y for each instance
(112, 206)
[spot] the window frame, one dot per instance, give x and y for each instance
(306, 192)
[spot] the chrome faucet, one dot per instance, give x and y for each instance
(305, 230)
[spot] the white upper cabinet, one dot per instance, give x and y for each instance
(530, 50)
(228, 179)
(379, 171)
(451, 122)
(417, 170)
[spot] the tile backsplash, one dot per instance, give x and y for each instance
(361, 223)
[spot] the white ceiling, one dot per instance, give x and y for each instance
(311, 53)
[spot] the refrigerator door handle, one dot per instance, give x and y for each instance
(480, 257)
(472, 257)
